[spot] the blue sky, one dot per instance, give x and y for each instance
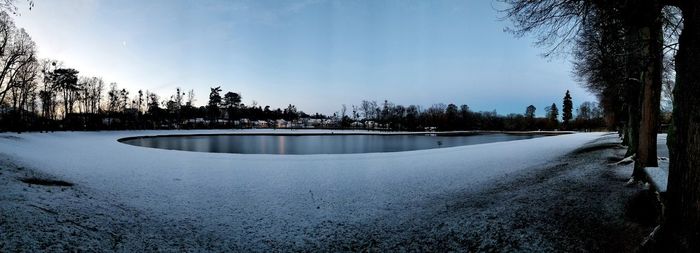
(316, 54)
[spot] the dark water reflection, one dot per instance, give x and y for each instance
(314, 144)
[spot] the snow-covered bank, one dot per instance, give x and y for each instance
(267, 202)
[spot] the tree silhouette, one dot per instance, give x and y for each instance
(66, 80)
(213, 106)
(553, 113)
(567, 109)
(231, 102)
(564, 19)
(530, 112)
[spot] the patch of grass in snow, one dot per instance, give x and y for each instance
(10, 137)
(46, 182)
(615, 159)
(596, 147)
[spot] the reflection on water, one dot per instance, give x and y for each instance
(315, 144)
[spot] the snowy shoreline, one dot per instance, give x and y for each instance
(241, 202)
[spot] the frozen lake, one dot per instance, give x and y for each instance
(304, 144)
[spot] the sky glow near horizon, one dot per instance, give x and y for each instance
(316, 54)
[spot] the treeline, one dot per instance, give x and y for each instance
(64, 101)
(43, 95)
(441, 117)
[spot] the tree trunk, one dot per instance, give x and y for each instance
(651, 55)
(633, 102)
(681, 226)
(644, 65)
(632, 85)
(632, 133)
(622, 133)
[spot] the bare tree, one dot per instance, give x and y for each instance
(16, 50)
(91, 89)
(178, 97)
(66, 80)
(139, 102)
(369, 109)
(48, 94)
(599, 59)
(673, 25)
(190, 98)
(113, 98)
(123, 100)
(11, 5)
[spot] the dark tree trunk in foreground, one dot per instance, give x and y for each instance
(681, 227)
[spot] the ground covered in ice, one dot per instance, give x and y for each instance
(550, 193)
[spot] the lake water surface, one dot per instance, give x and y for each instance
(314, 144)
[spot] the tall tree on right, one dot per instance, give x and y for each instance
(567, 109)
(681, 226)
(555, 19)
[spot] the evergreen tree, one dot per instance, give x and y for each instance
(214, 102)
(553, 113)
(567, 108)
(552, 116)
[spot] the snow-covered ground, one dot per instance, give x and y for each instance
(255, 201)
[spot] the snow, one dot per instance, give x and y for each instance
(255, 198)
(661, 148)
(658, 177)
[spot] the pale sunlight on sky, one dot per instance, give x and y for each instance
(315, 54)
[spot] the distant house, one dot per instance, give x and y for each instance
(110, 121)
(313, 123)
(295, 124)
(328, 123)
(319, 123)
(260, 124)
(357, 124)
(371, 124)
(245, 123)
(195, 121)
(280, 123)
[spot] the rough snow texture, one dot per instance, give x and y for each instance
(134, 198)
(658, 177)
(661, 147)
